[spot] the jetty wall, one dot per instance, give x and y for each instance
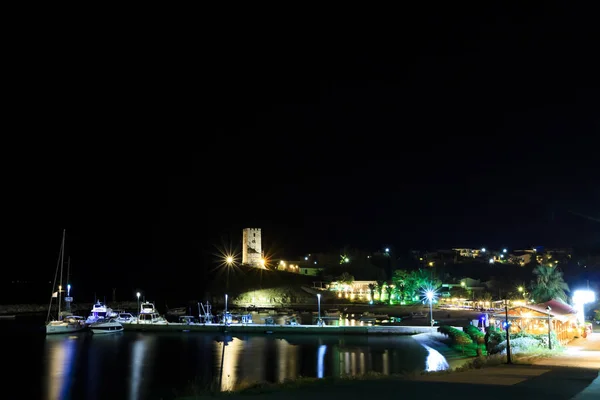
(283, 329)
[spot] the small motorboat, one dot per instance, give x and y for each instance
(126, 318)
(106, 326)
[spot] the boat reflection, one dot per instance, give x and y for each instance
(61, 352)
(141, 360)
(287, 360)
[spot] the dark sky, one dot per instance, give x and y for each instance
(432, 130)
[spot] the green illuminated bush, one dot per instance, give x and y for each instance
(475, 334)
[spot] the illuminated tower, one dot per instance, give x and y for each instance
(252, 248)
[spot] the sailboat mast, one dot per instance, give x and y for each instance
(62, 261)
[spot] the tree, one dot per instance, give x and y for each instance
(460, 292)
(372, 288)
(485, 296)
(380, 288)
(417, 280)
(346, 278)
(390, 291)
(549, 284)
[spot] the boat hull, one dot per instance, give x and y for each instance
(62, 329)
(105, 329)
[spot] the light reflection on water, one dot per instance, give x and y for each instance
(148, 366)
(61, 351)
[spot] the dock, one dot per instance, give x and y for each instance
(281, 329)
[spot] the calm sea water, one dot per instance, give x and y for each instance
(137, 365)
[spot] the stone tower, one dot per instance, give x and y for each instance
(252, 247)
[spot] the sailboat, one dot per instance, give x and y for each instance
(64, 323)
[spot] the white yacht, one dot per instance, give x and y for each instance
(100, 311)
(68, 324)
(149, 315)
(126, 318)
(106, 326)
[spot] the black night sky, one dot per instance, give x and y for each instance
(434, 131)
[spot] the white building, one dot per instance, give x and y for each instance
(252, 248)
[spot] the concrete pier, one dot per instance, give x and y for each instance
(282, 329)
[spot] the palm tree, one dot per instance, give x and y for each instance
(549, 284)
(372, 288)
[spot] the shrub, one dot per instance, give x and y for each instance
(456, 335)
(475, 334)
(520, 345)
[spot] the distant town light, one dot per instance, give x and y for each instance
(387, 250)
(504, 250)
(346, 259)
(315, 262)
(229, 260)
(491, 260)
(483, 249)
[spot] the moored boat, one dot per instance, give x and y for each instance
(65, 322)
(102, 327)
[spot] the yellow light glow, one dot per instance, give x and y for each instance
(229, 260)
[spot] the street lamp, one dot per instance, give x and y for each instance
(549, 328)
(430, 294)
(138, 294)
(225, 313)
(229, 262)
(319, 322)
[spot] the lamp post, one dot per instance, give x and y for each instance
(430, 294)
(229, 261)
(225, 313)
(508, 353)
(549, 328)
(138, 294)
(319, 322)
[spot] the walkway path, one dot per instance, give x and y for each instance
(582, 353)
(515, 382)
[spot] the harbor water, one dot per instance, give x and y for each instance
(136, 365)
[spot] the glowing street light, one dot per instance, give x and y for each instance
(504, 250)
(520, 288)
(430, 295)
(463, 284)
(387, 250)
(229, 260)
(69, 290)
(483, 249)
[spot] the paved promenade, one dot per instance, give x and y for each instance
(514, 382)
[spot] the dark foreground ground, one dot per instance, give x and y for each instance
(504, 382)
